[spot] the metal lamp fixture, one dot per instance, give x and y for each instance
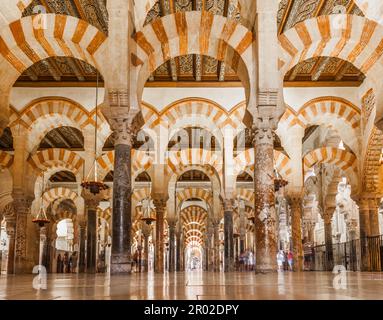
(41, 218)
(147, 216)
(92, 184)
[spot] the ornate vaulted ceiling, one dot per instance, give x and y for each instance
(322, 70)
(194, 69)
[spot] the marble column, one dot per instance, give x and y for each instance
(228, 236)
(374, 217)
(172, 247)
(43, 246)
(209, 244)
(11, 232)
(121, 257)
(206, 254)
(160, 205)
(265, 213)
(296, 231)
(23, 262)
(364, 225)
(178, 251)
(327, 217)
(91, 234)
(242, 226)
(82, 247)
(146, 230)
(215, 225)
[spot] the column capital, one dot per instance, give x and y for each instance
(146, 230)
(228, 204)
(328, 214)
(124, 119)
(363, 200)
(22, 203)
(160, 204)
(266, 116)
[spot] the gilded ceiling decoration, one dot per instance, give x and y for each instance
(92, 11)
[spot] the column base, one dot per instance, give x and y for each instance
(265, 271)
(120, 265)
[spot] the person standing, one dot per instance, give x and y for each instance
(280, 260)
(59, 264)
(290, 258)
(73, 262)
(66, 262)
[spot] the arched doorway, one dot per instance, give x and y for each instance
(64, 246)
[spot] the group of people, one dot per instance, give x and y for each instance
(285, 260)
(66, 263)
(246, 261)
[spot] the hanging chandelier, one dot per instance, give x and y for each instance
(148, 215)
(91, 182)
(41, 218)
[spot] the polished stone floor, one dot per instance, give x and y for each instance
(198, 286)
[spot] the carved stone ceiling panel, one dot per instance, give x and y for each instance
(325, 69)
(292, 12)
(63, 137)
(93, 11)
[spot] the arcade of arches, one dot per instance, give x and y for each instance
(232, 136)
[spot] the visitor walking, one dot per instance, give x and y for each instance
(73, 262)
(280, 260)
(290, 258)
(59, 266)
(66, 263)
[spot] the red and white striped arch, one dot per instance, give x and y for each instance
(53, 158)
(179, 160)
(194, 32)
(206, 113)
(344, 160)
(46, 114)
(246, 158)
(22, 45)
(338, 113)
(141, 162)
(59, 193)
(349, 37)
(197, 193)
